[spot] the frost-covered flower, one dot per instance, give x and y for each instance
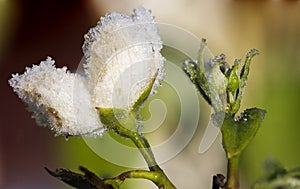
(58, 99)
(124, 65)
(123, 57)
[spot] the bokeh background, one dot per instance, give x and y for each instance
(30, 30)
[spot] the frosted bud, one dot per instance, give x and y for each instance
(123, 58)
(58, 99)
(217, 82)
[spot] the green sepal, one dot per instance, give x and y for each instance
(124, 123)
(116, 119)
(200, 58)
(238, 132)
(197, 77)
(233, 78)
(246, 67)
(195, 71)
(143, 97)
(243, 80)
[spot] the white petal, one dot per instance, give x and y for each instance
(58, 99)
(123, 57)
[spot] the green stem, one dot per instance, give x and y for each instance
(155, 174)
(233, 173)
(142, 145)
(158, 178)
(108, 117)
(150, 175)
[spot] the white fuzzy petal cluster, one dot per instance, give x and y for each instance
(58, 99)
(123, 57)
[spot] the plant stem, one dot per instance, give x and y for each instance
(150, 175)
(108, 117)
(233, 172)
(155, 174)
(157, 178)
(142, 145)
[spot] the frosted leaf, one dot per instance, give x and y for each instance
(123, 56)
(58, 99)
(212, 83)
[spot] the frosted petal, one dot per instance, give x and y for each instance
(123, 56)
(58, 99)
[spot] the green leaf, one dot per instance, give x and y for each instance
(238, 132)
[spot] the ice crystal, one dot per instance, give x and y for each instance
(124, 65)
(123, 56)
(58, 99)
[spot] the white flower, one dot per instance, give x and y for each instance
(58, 99)
(123, 63)
(123, 57)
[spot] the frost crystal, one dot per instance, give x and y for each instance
(123, 57)
(58, 99)
(217, 83)
(124, 65)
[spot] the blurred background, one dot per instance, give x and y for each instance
(30, 30)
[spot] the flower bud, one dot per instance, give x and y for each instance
(217, 80)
